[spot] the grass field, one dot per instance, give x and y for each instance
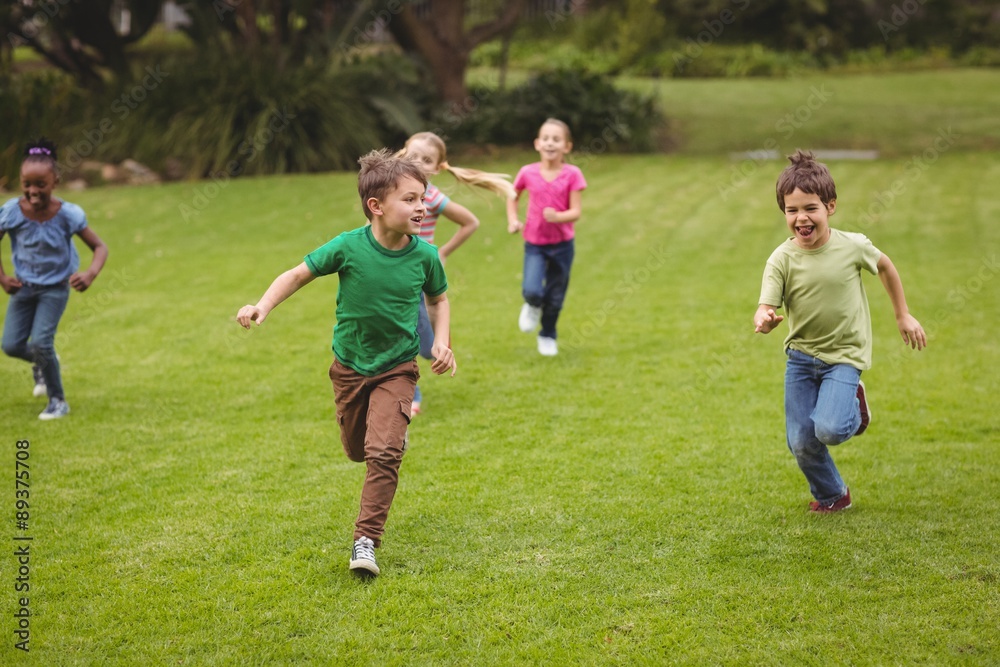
(630, 501)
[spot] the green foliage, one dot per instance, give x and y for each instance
(210, 114)
(732, 62)
(244, 116)
(32, 105)
(602, 117)
(640, 30)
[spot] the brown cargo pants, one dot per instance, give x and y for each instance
(373, 414)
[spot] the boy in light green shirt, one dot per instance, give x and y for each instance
(383, 269)
(816, 275)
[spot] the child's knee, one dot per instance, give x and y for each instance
(833, 434)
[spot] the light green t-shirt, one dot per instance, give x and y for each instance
(378, 300)
(823, 296)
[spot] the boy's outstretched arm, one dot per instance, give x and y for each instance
(283, 287)
(439, 313)
(765, 319)
(909, 328)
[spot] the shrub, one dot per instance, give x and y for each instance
(243, 116)
(31, 105)
(601, 116)
(217, 115)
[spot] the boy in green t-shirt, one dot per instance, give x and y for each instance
(383, 269)
(816, 274)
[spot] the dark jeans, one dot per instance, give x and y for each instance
(29, 331)
(546, 279)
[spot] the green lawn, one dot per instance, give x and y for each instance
(896, 114)
(630, 501)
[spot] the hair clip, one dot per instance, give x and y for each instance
(39, 150)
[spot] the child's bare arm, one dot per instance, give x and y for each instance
(10, 284)
(572, 214)
(765, 319)
(514, 225)
(909, 328)
(283, 287)
(439, 313)
(467, 223)
(81, 280)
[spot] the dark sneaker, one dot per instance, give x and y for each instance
(866, 413)
(363, 557)
(40, 388)
(55, 409)
(829, 508)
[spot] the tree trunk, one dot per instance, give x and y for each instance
(444, 44)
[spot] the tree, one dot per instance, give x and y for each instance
(438, 34)
(79, 37)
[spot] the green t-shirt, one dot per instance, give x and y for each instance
(379, 297)
(824, 298)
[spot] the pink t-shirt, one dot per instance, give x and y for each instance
(543, 194)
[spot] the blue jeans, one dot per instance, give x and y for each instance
(821, 410)
(29, 331)
(426, 334)
(546, 279)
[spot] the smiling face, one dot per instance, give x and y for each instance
(553, 143)
(38, 180)
(402, 210)
(808, 218)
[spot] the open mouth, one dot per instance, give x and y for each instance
(805, 232)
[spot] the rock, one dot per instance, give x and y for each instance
(111, 174)
(138, 174)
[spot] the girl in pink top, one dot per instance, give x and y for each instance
(429, 151)
(553, 207)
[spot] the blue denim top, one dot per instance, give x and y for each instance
(43, 252)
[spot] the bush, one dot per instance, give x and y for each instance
(242, 116)
(32, 105)
(217, 115)
(601, 116)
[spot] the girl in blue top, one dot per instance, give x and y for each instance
(46, 265)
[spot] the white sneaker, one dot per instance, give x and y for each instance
(529, 318)
(547, 347)
(40, 388)
(55, 409)
(363, 557)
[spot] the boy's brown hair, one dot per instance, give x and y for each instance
(808, 175)
(380, 171)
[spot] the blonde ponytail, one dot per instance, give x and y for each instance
(496, 183)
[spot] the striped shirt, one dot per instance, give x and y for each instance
(436, 201)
